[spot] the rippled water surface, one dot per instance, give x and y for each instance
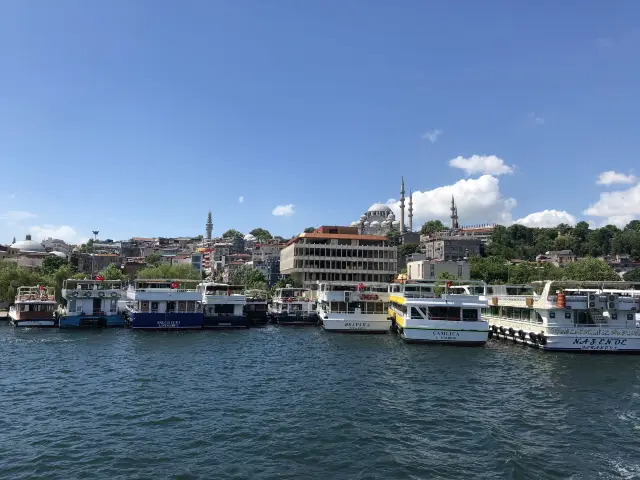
(302, 403)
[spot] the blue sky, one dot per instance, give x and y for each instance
(134, 118)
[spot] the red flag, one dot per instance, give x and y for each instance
(449, 284)
(228, 292)
(361, 286)
(100, 278)
(174, 285)
(42, 287)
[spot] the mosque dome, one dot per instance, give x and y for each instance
(28, 246)
(355, 224)
(375, 223)
(396, 223)
(380, 209)
(249, 238)
(59, 254)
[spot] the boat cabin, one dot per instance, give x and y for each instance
(91, 297)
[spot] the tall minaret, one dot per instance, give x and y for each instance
(454, 214)
(410, 211)
(209, 226)
(402, 206)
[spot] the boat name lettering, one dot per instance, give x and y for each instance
(368, 296)
(599, 342)
(168, 323)
(596, 332)
(444, 335)
(356, 324)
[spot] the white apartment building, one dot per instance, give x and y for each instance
(341, 257)
(431, 269)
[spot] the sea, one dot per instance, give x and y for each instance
(301, 403)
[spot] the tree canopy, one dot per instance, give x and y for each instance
(232, 234)
(432, 226)
(587, 269)
(408, 249)
(632, 275)
(154, 259)
(309, 229)
(261, 234)
(283, 282)
(52, 263)
(112, 272)
(249, 277)
(166, 271)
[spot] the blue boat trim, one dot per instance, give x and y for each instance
(165, 321)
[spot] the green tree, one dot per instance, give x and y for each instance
(52, 263)
(249, 277)
(112, 272)
(154, 259)
(589, 269)
(393, 236)
(632, 275)
(633, 225)
(173, 272)
(527, 272)
(489, 269)
(232, 234)
(261, 234)
(408, 249)
(309, 229)
(283, 282)
(12, 276)
(57, 278)
(441, 282)
(432, 226)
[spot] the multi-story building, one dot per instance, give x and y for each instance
(431, 269)
(451, 247)
(262, 252)
(557, 257)
(338, 254)
(88, 262)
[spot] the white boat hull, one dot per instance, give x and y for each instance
(570, 339)
(444, 332)
(362, 323)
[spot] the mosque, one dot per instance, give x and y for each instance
(380, 220)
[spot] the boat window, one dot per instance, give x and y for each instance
(154, 307)
(182, 307)
(444, 313)
(539, 317)
(418, 313)
(171, 307)
(378, 307)
(144, 307)
(338, 307)
(629, 316)
(223, 309)
(469, 314)
(353, 305)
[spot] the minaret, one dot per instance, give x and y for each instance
(411, 211)
(402, 206)
(209, 226)
(454, 214)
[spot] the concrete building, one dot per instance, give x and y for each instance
(346, 257)
(262, 252)
(431, 269)
(86, 262)
(451, 247)
(557, 257)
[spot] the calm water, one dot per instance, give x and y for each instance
(301, 403)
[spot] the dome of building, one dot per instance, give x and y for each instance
(355, 224)
(59, 254)
(379, 208)
(28, 246)
(375, 223)
(249, 238)
(396, 223)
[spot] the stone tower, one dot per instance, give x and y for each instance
(402, 206)
(454, 214)
(209, 226)
(411, 211)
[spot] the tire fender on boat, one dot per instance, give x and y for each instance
(542, 339)
(512, 332)
(490, 334)
(503, 331)
(521, 334)
(533, 337)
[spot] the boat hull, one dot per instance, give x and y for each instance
(567, 339)
(223, 322)
(471, 334)
(91, 321)
(48, 323)
(257, 320)
(356, 323)
(286, 320)
(165, 321)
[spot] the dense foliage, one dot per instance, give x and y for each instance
(309, 229)
(407, 249)
(283, 282)
(261, 234)
(112, 272)
(432, 226)
(518, 241)
(166, 271)
(632, 275)
(232, 234)
(248, 276)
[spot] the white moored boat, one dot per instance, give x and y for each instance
(354, 307)
(420, 315)
(34, 307)
(567, 315)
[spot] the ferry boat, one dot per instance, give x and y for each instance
(90, 303)
(354, 307)
(223, 305)
(293, 306)
(567, 316)
(164, 305)
(421, 315)
(34, 307)
(256, 308)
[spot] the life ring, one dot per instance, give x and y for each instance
(87, 294)
(542, 339)
(114, 294)
(74, 294)
(101, 294)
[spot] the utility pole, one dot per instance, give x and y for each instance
(93, 256)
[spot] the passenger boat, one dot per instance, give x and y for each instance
(90, 303)
(223, 305)
(421, 314)
(292, 306)
(354, 307)
(567, 316)
(164, 305)
(255, 310)
(34, 307)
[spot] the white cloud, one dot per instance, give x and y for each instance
(240, 199)
(284, 210)
(617, 207)
(547, 219)
(610, 177)
(538, 120)
(478, 199)
(15, 216)
(481, 164)
(63, 232)
(432, 135)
